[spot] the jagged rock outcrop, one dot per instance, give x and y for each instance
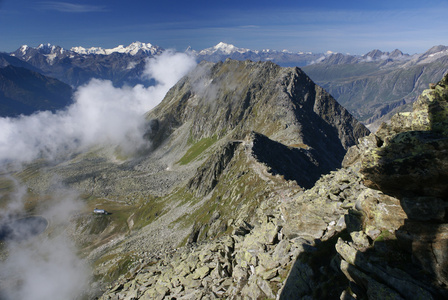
(411, 160)
(407, 229)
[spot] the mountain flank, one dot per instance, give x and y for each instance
(228, 142)
(23, 91)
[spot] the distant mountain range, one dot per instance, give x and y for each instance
(371, 86)
(125, 65)
(378, 84)
(121, 65)
(284, 58)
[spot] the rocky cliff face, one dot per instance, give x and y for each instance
(406, 161)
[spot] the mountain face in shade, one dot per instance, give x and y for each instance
(23, 91)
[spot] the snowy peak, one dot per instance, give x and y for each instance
(48, 50)
(52, 51)
(133, 49)
(223, 48)
(377, 55)
(24, 49)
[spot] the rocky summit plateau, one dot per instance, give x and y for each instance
(258, 184)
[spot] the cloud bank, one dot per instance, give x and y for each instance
(100, 114)
(46, 266)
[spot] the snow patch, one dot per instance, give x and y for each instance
(24, 49)
(131, 65)
(50, 58)
(438, 53)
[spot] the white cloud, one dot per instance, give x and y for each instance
(47, 265)
(44, 266)
(70, 7)
(101, 114)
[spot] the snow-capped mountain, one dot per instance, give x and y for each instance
(228, 49)
(137, 48)
(121, 65)
(125, 64)
(133, 49)
(222, 50)
(47, 51)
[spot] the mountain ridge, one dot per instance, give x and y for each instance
(213, 161)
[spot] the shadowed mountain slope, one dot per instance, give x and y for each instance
(23, 91)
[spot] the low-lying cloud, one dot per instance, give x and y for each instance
(44, 266)
(100, 114)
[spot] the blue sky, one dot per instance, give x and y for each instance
(342, 26)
